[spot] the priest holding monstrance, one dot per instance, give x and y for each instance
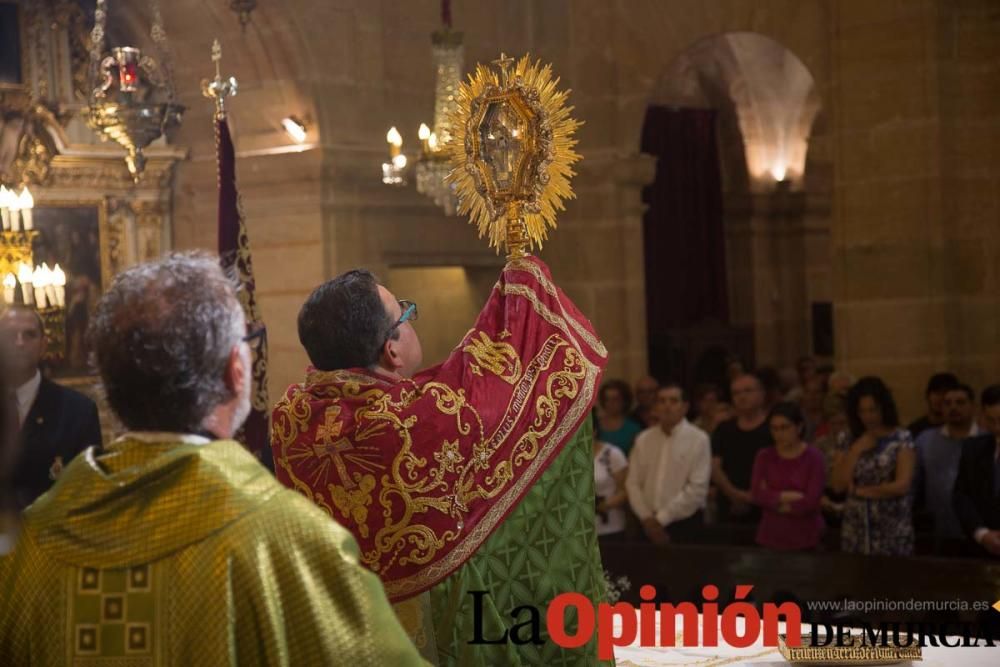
(468, 485)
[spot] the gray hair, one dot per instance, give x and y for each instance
(162, 336)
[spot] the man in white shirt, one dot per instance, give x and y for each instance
(54, 423)
(669, 470)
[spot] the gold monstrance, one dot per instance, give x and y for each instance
(512, 152)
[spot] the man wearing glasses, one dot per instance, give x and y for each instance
(172, 545)
(445, 474)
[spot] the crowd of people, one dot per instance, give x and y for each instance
(173, 521)
(801, 460)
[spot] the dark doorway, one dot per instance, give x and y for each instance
(687, 306)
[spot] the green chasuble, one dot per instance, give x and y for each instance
(170, 550)
(546, 546)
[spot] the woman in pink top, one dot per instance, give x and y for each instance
(788, 481)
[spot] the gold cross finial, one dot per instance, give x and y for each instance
(218, 88)
(504, 62)
(217, 56)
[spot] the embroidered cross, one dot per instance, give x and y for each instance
(326, 445)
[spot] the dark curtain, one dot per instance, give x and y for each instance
(682, 229)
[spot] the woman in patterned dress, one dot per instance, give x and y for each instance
(876, 472)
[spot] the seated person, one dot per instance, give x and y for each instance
(787, 483)
(669, 471)
(173, 545)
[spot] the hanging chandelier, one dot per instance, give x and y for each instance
(142, 108)
(243, 8)
(432, 164)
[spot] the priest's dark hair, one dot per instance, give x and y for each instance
(344, 324)
(162, 336)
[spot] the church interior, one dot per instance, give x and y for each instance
(801, 192)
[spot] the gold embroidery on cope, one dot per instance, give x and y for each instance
(501, 359)
(412, 485)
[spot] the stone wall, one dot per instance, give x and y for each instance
(915, 232)
(906, 141)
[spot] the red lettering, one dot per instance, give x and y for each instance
(793, 623)
(555, 620)
(606, 637)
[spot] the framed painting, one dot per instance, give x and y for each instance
(74, 236)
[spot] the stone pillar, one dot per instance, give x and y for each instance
(596, 255)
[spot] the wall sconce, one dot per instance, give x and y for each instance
(779, 171)
(295, 128)
(392, 171)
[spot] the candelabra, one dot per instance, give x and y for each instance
(24, 282)
(432, 165)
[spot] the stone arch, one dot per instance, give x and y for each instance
(767, 100)
(776, 238)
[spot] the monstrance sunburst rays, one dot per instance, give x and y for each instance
(512, 152)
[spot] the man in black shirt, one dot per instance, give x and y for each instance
(937, 387)
(735, 444)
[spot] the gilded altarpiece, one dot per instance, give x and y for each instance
(81, 186)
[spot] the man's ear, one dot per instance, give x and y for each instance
(236, 370)
(390, 355)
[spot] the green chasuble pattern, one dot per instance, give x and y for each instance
(546, 546)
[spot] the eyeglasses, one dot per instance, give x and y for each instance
(410, 314)
(256, 338)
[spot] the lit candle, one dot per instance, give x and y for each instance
(395, 140)
(4, 207)
(128, 68)
(59, 280)
(424, 133)
(9, 283)
(432, 142)
(26, 202)
(48, 282)
(24, 277)
(38, 282)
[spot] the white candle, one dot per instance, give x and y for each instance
(424, 134)
(9, 284)
(59, 280)
(49, 285)
(5, 208)
(39, 283)
(395, 140)
(24, 277)
(26, 202)
(15, 212)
